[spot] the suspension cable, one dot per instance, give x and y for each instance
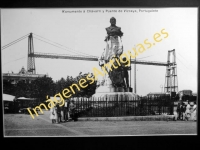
(62, 45)
(145, 57)
(184, 59)
(182, 62)
(14, 42)
(14, 60)
(56, 46)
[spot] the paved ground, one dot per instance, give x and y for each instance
(24, 125)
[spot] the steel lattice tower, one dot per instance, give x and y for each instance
(171, 79)
(31, 59)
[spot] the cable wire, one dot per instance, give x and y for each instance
(56, 46)
(185, 72)
(185, 60)
(61, 45)
(184, 66)
(14, 60)
(14, 42)
(8, 45)
(182, 62)
(144, 57)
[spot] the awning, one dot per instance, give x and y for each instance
(57, 98)
(7, 97)
(24, 98)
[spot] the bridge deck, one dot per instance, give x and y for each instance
(92, 58)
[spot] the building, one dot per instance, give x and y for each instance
(185, 92)
(194, 94)
(23, 75)
(156, 94)
(185, 95)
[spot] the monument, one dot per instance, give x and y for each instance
(115, 84)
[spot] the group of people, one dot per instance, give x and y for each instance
(60, 114)
(186, 111)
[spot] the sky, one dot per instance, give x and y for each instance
(84, 32)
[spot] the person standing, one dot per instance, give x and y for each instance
(58, 110)
(62, 113)
(53, 114)
(183, 108)
(179, 111)
(72, 109)
(194, 112)
(66, 110)
(187, 112)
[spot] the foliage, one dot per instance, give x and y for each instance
(22, 89)
(90, 89)
(8, 87)
(41, 87)
(84, 92)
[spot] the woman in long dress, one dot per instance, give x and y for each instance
(194, 112)
(188, 111)
(53, 115)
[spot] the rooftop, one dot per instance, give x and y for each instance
(22, 73)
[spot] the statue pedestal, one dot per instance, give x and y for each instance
(129, 89)
(107, 89)
(110, 93)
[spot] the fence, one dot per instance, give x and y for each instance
(88, 107)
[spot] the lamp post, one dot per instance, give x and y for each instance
(161, 86)
(135, 74)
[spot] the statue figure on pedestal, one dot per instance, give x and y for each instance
(118, 77)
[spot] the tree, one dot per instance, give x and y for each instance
(84, 92)
(60, 85)
(8, 87)
(22, 89)
(90, 89)
(41, 87)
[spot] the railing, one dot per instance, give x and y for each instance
(113, 108)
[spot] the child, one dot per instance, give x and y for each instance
(53, 115)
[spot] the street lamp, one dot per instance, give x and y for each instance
(161, 86)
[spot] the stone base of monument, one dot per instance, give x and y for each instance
(104, 93)
(129, 89)
(113, 89)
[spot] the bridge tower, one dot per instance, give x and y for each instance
(31, 59)
(171, 79)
